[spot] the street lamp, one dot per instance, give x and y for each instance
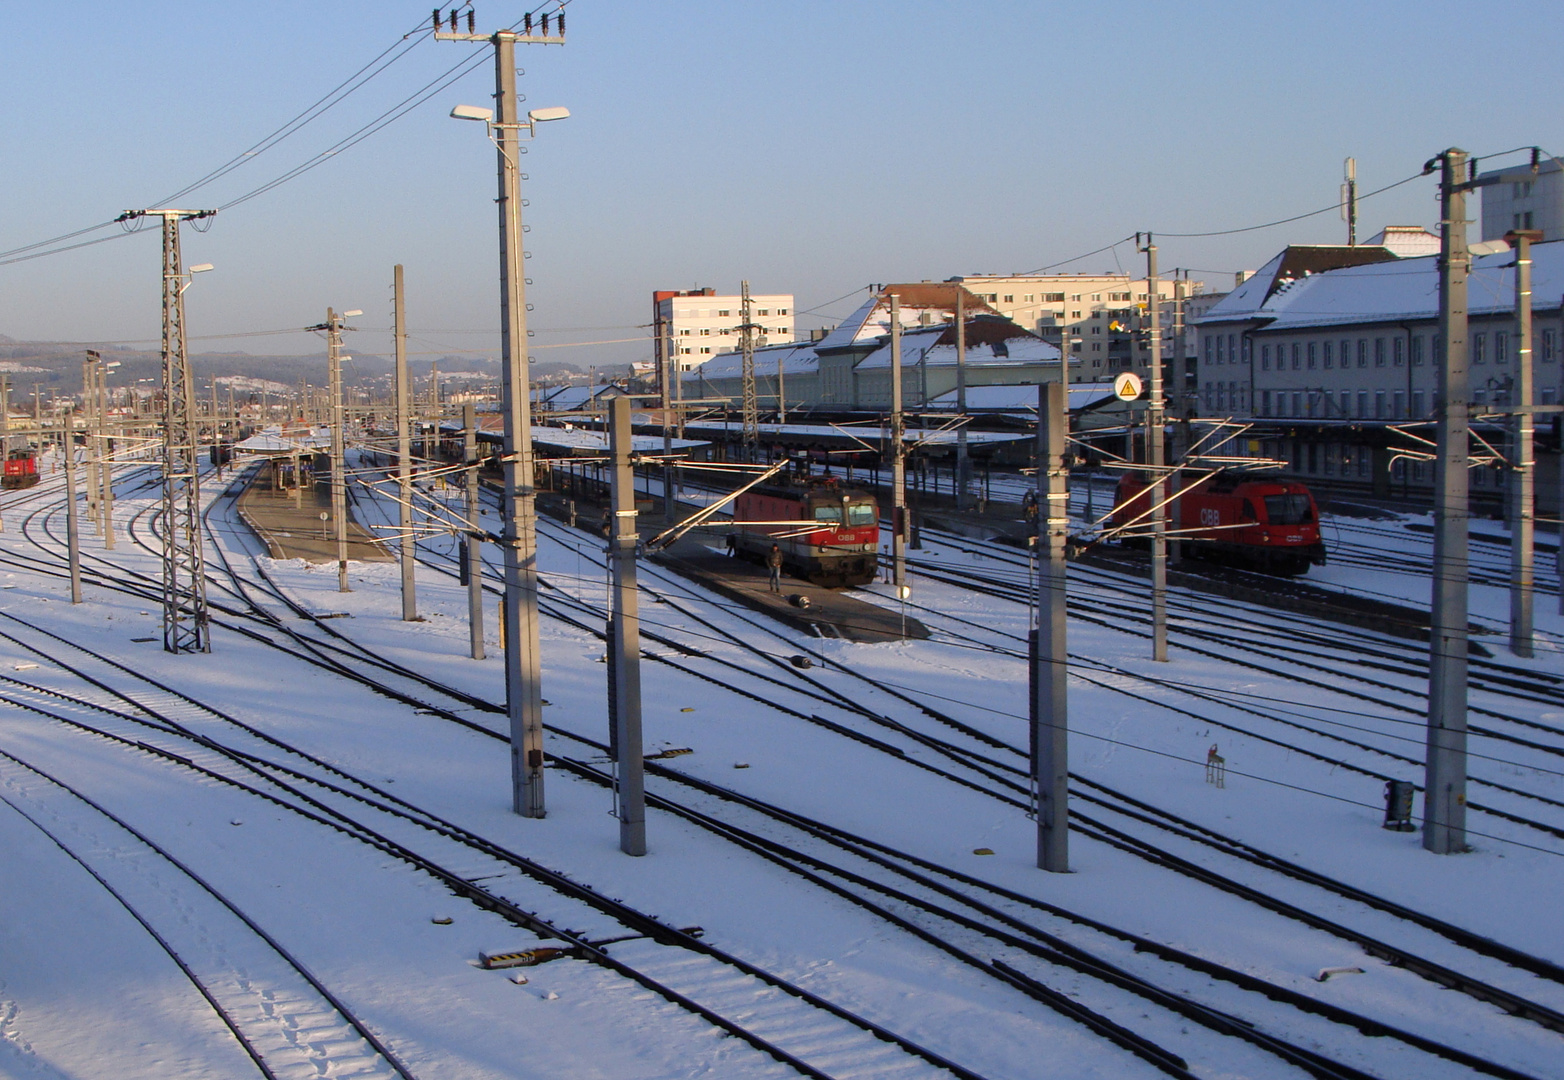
(523, 665)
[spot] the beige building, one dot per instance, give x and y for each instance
(1101, 316)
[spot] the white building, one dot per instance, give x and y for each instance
(700, 324)
(1522, 199)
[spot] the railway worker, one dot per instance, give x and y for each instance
(774, 561)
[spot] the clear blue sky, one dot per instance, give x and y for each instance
(811, 147)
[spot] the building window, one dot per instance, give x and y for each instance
(991, 298)
(1248, 348)
(1379, 404)
(1346, 404)
(1417, 405)
(1549, 342)
(1313, 355)
(1399, 405)
(1221, 357)
(1265, 358)
(1417, 350)
(1076, 348)
(1096, 345)
(1010, 298)
(1363, 404)
(763, 311)
(1501, 347)
(1480, 397)
(1550, 395)
(705, 332)
(724, 313)
(1265, 403)
(1363, 352)
(1296, 355)
(684, 333)
(1479, 348)
(1379, 352)
(1327, 354)
(1398, 349)
(705, 349)
(1232, 349)
(686, 351)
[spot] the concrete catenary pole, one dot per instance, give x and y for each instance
(1154, 462)
(339, 479)
(963, 463)
(106, 457)
(1523, 425)
(72, 528)
(5, 428)
(898, 458)
(1444, 812)
(665, 347)
(523, 665)
(473, 549)
(1050, 695)
(89, 392)
(404, 450)
(625, 668)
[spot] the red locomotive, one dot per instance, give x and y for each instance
(828, 534)
(21, 470)
(1270, 524)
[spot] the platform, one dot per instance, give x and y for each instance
(292, 529)
(828, 613)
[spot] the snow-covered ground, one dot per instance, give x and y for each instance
(86, 990)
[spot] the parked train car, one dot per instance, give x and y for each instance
(21, 470)
(1272, 525)
(829, 534)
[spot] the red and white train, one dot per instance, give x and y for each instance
(1273, 525)
(829, 534)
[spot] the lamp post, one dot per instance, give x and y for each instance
(523, 667)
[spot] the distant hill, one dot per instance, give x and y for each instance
(57, 368)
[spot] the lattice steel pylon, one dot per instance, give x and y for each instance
(186, 626)
(751, 401)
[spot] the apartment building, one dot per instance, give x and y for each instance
(1102, 317)
(698, 324)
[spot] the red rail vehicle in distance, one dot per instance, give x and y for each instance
(1272, 525)
(21, 470)
(829, 534)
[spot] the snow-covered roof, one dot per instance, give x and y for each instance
(868, 433)
(575, 439)
(272, 441)
(1020, 398)
(1396, 291)
(795, 357)
(930, 346)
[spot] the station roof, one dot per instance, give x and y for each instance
(1394, 290)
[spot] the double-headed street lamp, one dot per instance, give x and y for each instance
(523, 667)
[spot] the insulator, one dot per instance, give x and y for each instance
(526, 24)
(472, 21)
(453, 20)
(437, 20)
(562, 23)
(545, 24)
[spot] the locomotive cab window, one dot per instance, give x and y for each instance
(1288, 509)
(862, 514)
(828, 512)
(1247, 512)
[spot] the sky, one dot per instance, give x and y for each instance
(813, 148)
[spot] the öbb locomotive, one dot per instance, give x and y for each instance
(21, 470)
(829, 534)
(1270, 525)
